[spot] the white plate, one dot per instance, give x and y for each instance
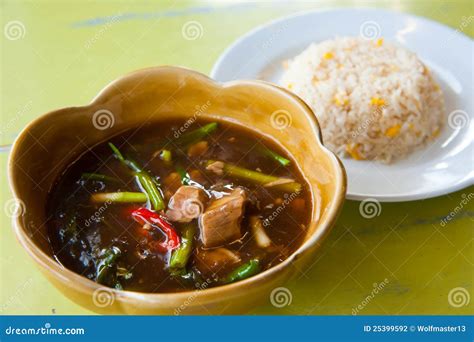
(440, 168)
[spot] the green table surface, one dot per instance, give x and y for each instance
(67, 51)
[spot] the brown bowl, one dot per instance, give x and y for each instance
(47, 145)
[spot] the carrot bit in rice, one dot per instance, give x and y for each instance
(353, 151)
(393, 131)
(376, 101)
(328, 55)
(436, 132)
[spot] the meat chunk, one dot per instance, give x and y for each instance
(186, 204)
(198, 149)
(220, 223)
(215, 261)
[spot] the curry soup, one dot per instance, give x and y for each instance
(175, 206)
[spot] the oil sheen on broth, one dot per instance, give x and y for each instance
(166, 209)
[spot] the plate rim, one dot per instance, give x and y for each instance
(217, 64)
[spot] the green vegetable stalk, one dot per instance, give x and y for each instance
(98, 177)
(244, 271)
(119, 197)
(196, 135)
(145, 180)
(181, 255)
(253, 176)
(273, 155)
(185, 179)
(107, 267)
(166, 156)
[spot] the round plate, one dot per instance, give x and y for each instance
(444, 166)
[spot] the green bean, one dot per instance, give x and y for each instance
(273, 155)
(127, 162)
(185, 179)
(166, 156)
(122, 272)
(150, 188)
(147, 183)
(107, 267)
(181, 255)
(255, 176)
(98, 177)
(196, 135)
(119, 197)
(243, 271)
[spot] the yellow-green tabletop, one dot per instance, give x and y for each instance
(61, 53)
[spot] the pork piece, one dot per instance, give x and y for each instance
(186, 204)
(214, 261)
(220, 223)
(198, 149)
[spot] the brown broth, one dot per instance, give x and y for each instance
(99, 226)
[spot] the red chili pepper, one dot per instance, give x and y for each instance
(144, 215)
(158, 246)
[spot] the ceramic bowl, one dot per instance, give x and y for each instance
(50, 143)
